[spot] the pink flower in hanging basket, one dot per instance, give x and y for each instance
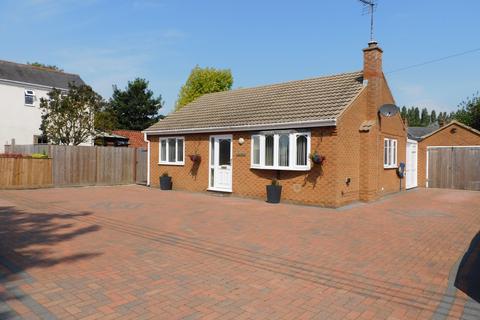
(195, 157)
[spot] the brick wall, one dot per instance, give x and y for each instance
(317, 186)
(445, 137)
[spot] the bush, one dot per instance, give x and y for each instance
(39, 156)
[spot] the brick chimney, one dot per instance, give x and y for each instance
(373, 73)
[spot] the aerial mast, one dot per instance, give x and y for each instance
(369, 8)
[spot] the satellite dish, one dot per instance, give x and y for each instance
(388, 110)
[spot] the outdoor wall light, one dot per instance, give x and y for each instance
(241, 141)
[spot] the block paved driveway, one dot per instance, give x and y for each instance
(130, 252)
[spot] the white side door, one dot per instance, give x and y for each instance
(411, 165)
(220, 168)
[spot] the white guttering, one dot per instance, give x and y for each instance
(27, 84)
(285, 125)
(148, 158)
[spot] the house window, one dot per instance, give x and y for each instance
(172, 151)
(281, 151)
(389, 153)
(256, 150)
(29, 97)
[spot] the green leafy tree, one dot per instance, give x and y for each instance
(403, 113)
(45, 66)
(416, 116)
(202, 81)
(433, 117)
(136, 107)
(105, 119)
(469, 112)
(68, 117)
(424, 118)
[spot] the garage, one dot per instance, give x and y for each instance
(455, 167)
(448, 156)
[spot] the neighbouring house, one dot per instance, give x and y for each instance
(238, 141)
(452, 138)
(21, 88)
(136, 139)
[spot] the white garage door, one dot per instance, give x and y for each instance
(411, 165)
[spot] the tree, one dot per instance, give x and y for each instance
(416, 116)
(433, 117)
(469, 112)
(68, 117)
(403, 113)
(45, 66)
(134, 108)
(202, 81)
(424, 118)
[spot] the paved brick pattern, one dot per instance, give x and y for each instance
(137, 253)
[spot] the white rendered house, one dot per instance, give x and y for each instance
(21, 88)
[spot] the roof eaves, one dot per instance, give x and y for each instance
(40, 86)
(285, 125)
(448, 125)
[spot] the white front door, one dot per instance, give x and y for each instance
(411, 165)
(220, 168)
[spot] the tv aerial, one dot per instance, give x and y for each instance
(369, 7)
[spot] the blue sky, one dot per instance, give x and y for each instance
(262, 41)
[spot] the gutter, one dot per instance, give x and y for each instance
(285, 125)
(148, 158)
(27, 84)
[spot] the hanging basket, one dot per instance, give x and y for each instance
(317, 158)
(195, 157)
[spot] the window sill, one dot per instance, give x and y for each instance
(29, 105)
(281, 168)
(218, 190)
(390, 167)
(171, 164)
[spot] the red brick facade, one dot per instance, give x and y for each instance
(450, 135)
(351, 155)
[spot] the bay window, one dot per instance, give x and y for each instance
(389, 153)
(172, 151)
(283, 150)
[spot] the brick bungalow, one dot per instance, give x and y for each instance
(247, 137)
(454, 134)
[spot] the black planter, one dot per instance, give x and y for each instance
(274, 193)
(166, 183)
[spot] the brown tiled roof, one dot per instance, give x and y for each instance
(135, 138)
(303, 101)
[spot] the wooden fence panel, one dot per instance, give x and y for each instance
(18, 173)
(115, 165)
(141, 170)
(454, 168)
(86, 165)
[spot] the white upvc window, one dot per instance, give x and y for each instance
(29, 98)
(389, 153)
(172, 151)
(281, 151)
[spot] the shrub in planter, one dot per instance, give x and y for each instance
(165, 182)
(274, 192)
